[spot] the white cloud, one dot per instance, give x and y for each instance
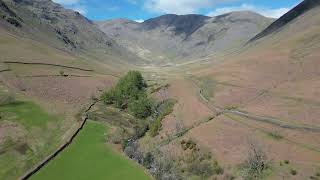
(267, 12)
(139, 20)
(66, 2)
(180, 6)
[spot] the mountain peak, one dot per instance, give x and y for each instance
(179, 23)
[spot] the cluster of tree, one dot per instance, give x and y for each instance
(191, 164)
(130, 93)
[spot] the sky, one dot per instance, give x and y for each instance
(140, 10)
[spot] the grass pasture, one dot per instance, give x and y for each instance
(27, 135)
(89, 157)
(27, 114)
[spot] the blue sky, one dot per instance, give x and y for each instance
(140, 10)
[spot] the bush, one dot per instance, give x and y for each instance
(293, 172)
(202, 169)
(200, 164)
(140, 130)
(14, 22)
(7, 99)
(162, 110)
(228, 177)
(94, 98)
(148, 160)
(108, 97)
(314, 177)
(142, 107)
(189, 145)
(256, 162)
(117, 136)
(275, 135)
(286, 161)
(155, 127)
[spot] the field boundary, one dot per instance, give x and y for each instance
(39, 166)
(5, 70)
(67, 75)
(48, 64)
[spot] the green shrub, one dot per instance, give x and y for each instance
(117, 136)
(200, 164)
(108, 97)
(228, 177)
(256, 162)
(189, 145)
(140, 130)
(286, 161)
(61, 72)
(7, 99)
(314, 178)
(275, 135)
(94, 98)
(231, 107)
(155, 127)
(142, 107)
(163, 109)
(293, 172)
(148, 160)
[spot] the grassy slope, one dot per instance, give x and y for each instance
(277, 78)
(28, 114)
(90, 157)
(21, 153)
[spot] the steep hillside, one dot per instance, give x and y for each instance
(53, 62)
(270, 93)
(288, 18)
(50, 23)
(185, 37)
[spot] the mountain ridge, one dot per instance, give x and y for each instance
(64, 29)
(184, 36)
(297, 11)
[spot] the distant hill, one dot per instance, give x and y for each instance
(183, 37)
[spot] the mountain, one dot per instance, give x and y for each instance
(67, 30)
(288, 18)
(273, 83)
(185, 37)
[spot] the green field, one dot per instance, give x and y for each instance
(89, 157)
